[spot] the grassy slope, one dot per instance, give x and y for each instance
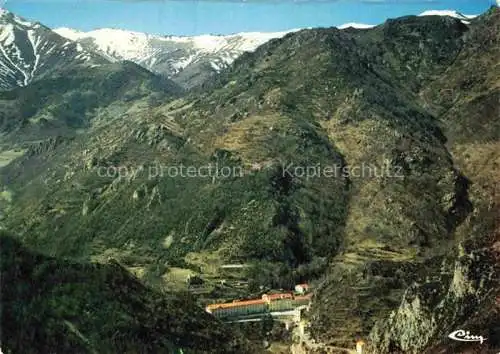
(66, 101)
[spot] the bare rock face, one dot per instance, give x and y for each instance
(430, 311)
(47, 145)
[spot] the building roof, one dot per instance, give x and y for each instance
(265, 299)
(277, 296)
(235, 304)
(304, 286)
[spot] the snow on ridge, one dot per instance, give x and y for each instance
(355, 25)
(3, 12)
(7, 35)
(153, 51)
(69, 33)
(19, 20)
(135, 44)
(251, 40)
(35, 42)
(23, 22)
(232, 35)
(125, 44)
(146, 49)
(105, 33)
(451, 13)
(181, 64)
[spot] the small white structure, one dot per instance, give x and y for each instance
(359, 346)
(301, 288)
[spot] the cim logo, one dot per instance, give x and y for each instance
(465, 336)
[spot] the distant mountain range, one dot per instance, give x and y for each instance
(182, 58)
(30, 50)
(172, 55)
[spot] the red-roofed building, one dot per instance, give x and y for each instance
(280, 296)
(238, 308)
(268, 303)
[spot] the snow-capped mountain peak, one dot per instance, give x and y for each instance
(29, 49)
(9, 16)
(169, 55)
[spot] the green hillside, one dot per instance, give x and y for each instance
(407, 112)
(59, 306)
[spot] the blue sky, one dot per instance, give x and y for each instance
(187, 17)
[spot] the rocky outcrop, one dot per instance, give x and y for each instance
(431, 310)
(164, 136)
(44, 146)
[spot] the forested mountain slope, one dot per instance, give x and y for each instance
(400, 125)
